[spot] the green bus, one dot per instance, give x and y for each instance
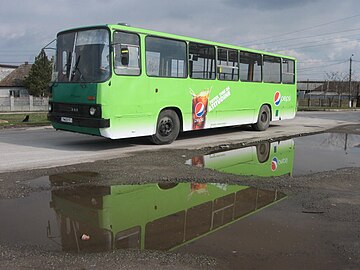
(118, 81)
(160, 216)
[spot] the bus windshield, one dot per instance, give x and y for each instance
(83, 56)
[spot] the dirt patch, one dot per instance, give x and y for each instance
(318, 226)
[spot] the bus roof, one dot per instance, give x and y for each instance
(179, 37)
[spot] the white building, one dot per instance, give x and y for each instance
(12, 84)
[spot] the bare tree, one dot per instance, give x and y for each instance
(338, 83)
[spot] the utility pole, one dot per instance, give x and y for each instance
(327, 91)
(307, 91)
(350, 80)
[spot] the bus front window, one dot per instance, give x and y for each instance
(83, 56)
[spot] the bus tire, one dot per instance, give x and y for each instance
(263, 152)
(166, 186)
(263, 121)
(167, 128)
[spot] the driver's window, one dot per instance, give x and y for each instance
(126, 53)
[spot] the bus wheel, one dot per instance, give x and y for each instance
(165, 186)
(263, 152)
(167, 128)
(263, 121)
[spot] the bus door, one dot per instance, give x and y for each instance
(132, 103)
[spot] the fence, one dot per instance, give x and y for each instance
(335, 101)
(20, 104)
(30, 103)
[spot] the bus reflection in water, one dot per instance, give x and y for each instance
(151, 216)
(264, 159)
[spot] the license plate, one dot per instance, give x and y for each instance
(66, 120)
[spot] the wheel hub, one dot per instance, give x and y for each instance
(165, 127)
(263, 117)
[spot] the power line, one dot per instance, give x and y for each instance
(318, 35)
(322, 61)
(303, 29)
(19, 50)
(307, 68)
(4, 62)
(319, 42)
(313, 71)
(318, 45)
(312, 74)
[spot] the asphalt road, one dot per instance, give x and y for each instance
(316, 227)
(43, 147)
(353, 116)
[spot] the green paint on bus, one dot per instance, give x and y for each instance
(118, 81)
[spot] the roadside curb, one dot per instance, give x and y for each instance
(326, 110)
(24, 126)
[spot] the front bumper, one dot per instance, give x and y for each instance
(79, 121)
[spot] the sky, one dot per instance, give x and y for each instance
(321, 34)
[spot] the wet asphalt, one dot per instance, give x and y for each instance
(315, 224)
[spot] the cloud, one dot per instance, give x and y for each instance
(26, 26)
(269, 4)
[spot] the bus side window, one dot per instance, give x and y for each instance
(166, 232)
(272, 69)
(288, 71)
(227, 64)
(250, 67)
(126, 53)
(130, 238)
(201, 61)
(165, 57)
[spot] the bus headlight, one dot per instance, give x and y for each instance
(50, 107)
(92, 111)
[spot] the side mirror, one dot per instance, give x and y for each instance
(124, 56)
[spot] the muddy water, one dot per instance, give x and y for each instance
(325, 152)
(293, 157)
(240, 226)
(237, 225)
(151, 216)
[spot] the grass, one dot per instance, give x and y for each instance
(15, 119)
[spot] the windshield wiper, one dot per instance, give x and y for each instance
(73, 57)
(76, 69)
(68, 65)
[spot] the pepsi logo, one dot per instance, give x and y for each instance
(199, 109)
(277, 98)
(274, 164)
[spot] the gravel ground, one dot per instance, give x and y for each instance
(334, 197)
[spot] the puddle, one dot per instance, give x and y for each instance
(325, 152)
(160, 216)
(293, 157)
(41, 182)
